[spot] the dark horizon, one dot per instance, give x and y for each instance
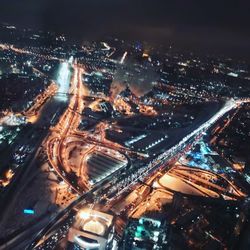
(211, 27)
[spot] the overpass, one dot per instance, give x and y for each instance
(141, 174)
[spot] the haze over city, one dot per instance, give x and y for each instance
(214, 26)
(124, 125)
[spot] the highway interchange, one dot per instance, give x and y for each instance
(121, 129)
(65, 135)
(67, 128)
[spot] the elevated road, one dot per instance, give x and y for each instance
(141, 174)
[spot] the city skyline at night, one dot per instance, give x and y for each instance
(124, 125)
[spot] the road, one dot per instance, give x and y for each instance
(67, 123)
(141, 174)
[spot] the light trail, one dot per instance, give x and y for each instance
(229, 105)
(67, 124)
(32, 113)
(162, 159)
(140, 174)
(107, 47)
(123, 57)
(27, 52)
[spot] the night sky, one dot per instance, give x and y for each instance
(212, 26)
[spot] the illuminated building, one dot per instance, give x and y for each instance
(146, 233)
(92, 230)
